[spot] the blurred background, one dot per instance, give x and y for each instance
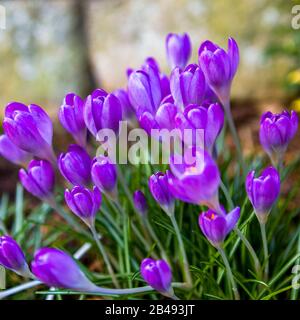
(51, 47)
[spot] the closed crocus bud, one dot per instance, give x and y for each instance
(57, 269)
(263, 191)
(179, 49)
(209, 120)
(75, 165)
(164, 80)
(12, 256)
(38, 179)
(195, 178)
(84, 203)
(158, 185)
(128, 111)
(102, 111)
(216, 227)
(30, 129)
(144, 89)
(140, 202)
(12, 153)
(158, 274)
(276, 131)
(188, 86)
(219, 67)
(71, 117)
(104, 176)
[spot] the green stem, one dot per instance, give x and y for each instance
(251, 251)
(239, 232)
(68, 218)
(229, 274)
(105, 257)
(126, 247)
(154, 237)
(235, 136)
(185, 263)
(266, 252)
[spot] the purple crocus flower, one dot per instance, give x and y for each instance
(30, 129)
(164, 80)
(158, 185)
(12, 256)
(164, 118)
(263, 191)
(210, 119)
(75, 165)
(178, 49)
(84, 203)
(102, 111)
(216, 227)
(140, 202)
(71, 117)
(144, 89)
(158, 274)
(128, 111)
(56, 268)
(195, 178)
(12, 153)
(219, 67)
(38, 179)
(188, 86)
(276, 131)
(104, 175)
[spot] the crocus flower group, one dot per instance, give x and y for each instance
(193, 98)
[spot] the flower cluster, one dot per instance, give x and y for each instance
(194, 96)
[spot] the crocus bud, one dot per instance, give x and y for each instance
(276, 131)
(38, 179)
(75, 165)
(140, 202)
(164, 80)
(195, 178)
(56, 268)
(12, 153)
(104, 176)
(263, 191)
(158, 185)
(219, 67)
(187, 86)
(12, 256)
(30, 129)
(179, 49)
(84, 203)
(144, 89)
(128, 111)
(71, 117)
(210, 119)
(158, 274)
(216, 227)
(102, 111)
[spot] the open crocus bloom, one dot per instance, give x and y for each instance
(195, 178)
(216, 227)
